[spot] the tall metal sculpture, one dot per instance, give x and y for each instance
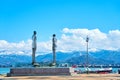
(54, 41)
(87, 61)
(34, 46)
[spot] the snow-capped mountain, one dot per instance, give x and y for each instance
(75, 57)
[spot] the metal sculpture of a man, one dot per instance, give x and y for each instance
(54, 40)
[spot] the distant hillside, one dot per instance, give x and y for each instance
(108, 55)
(101, 57)
(75, 57)
(13, 59)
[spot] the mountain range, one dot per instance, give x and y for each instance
(74, 57)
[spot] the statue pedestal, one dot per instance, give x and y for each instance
(40, 71)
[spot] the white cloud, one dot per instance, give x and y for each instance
(114, 38)
(44, 46)
(15, 48)
(98, 40)
(71, 40)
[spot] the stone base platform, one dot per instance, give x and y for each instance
(40, 71)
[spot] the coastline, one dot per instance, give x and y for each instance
(73, 77)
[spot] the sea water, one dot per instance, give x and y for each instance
(4, 70)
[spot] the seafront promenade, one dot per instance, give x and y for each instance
(73, 77)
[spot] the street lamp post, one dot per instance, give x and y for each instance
(87, 62)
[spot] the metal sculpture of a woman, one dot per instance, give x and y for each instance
(34, 46)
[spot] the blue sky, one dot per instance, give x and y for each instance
(70, 20)
(18, 18)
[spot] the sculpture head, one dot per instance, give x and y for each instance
(54, 35)
(34, 32)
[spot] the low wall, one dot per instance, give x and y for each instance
(39, 71)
